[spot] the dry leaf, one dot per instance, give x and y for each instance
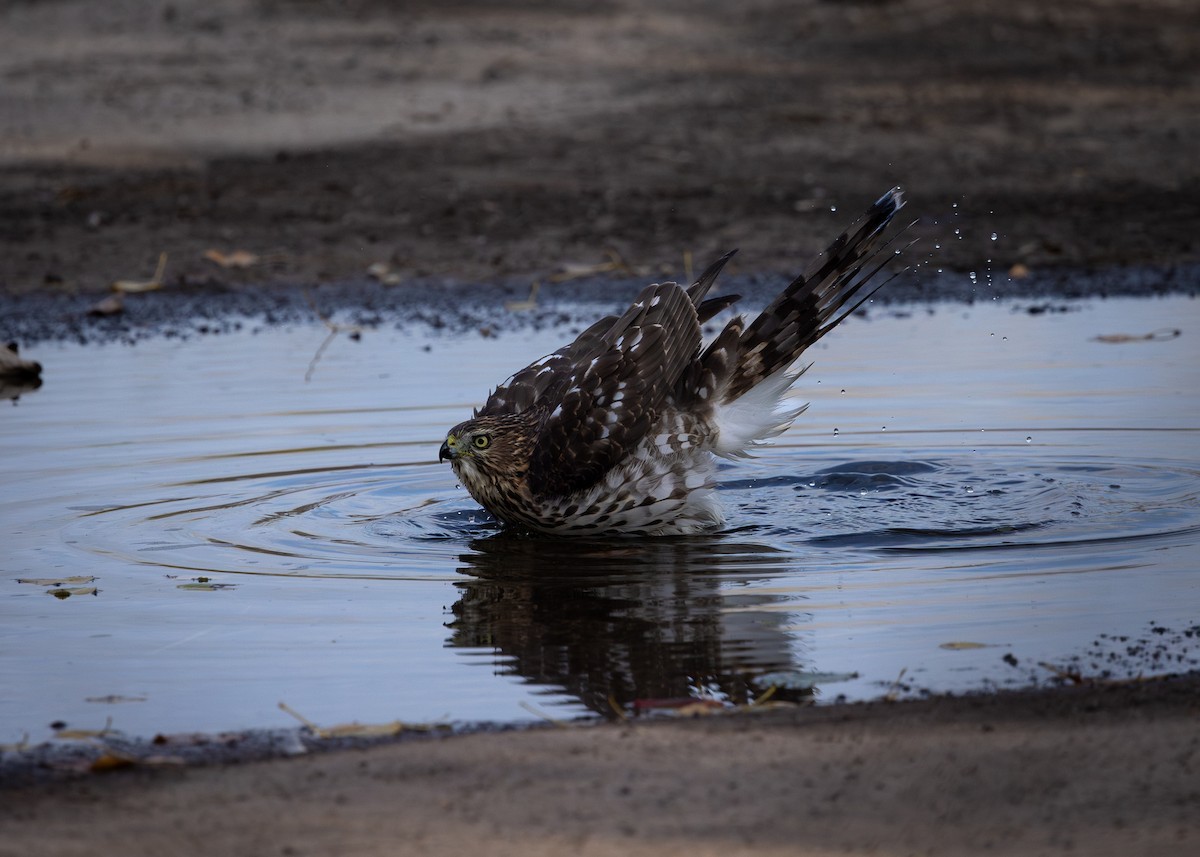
(1161, 335)
(383, 272)
(205, 587)
(78, 734)
(132, 286)
(60, 593)
(111, 761)
(236, 259)
(54, 581)
(359, 730)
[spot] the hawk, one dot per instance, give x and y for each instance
(620, 431)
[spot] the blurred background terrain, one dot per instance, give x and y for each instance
(478, 140)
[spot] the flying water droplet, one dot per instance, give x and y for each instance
(833, 208)
(1029, 440)
(995, 236)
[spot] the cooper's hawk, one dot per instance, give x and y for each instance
(619, 431)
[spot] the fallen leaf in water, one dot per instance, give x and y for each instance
(75, 590)
(959, 646)
(114, 698)
(54, 581)
(111, 305)
(1161, 335)
(236, 259)
(78, 734)
(205, 587)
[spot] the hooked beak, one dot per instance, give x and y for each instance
(446, 453)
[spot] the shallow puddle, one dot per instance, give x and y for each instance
(974, 491)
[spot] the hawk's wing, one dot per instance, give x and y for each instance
(523, 389)
(612, 390)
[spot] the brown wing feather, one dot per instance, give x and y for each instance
(613, 393)
(526, 387)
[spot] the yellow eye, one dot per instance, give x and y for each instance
(481, 441)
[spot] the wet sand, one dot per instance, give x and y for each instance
(471, 142)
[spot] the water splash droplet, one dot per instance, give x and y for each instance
(995, 236)
(835, 432)
(833, 208)
(1029, 440)
(974, 277)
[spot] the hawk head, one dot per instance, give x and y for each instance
(490, 456)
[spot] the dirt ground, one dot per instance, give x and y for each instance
(1090, 771)
(476, 140)
(479, 141)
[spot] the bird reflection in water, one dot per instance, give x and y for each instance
(625, 622)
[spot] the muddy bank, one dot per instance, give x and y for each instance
(453, 308)
(482, 142)
(1093, 770)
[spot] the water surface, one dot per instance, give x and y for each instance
(965, 475)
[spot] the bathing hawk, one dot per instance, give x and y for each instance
(619, 431)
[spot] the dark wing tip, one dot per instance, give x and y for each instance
(888, 204)
(697, 290)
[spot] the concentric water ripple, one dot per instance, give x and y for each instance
(393, 522)
(972, 493)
